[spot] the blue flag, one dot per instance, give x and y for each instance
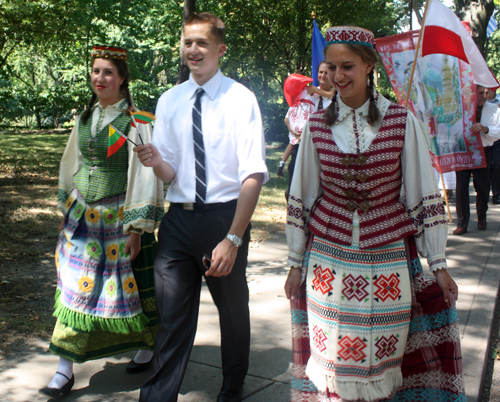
(492, 25)
(318, 44)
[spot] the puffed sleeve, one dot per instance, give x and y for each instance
(71, 161)
(304, 191)
(144, 202)
(423, 201)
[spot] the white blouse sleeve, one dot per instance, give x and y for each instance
(71, 162)
(423, 201)
(304, 191)
(144, 202)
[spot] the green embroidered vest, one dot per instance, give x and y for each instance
(100, 176)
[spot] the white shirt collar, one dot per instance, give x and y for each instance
(344, 110)
(211, 87)
(120, 106)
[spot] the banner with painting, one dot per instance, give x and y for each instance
(442, 97)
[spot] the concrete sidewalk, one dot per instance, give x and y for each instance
(474, 261)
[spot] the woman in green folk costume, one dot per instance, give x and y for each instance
(105, 294)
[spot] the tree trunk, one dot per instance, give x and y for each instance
(183, 70)
(478, 14)
(302, 20)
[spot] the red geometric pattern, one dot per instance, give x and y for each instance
(319, 338)
(352, 348)
(323, 279)
(386, 347)
(355, 287)
(387, 287)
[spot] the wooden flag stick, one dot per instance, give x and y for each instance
(416, 52)
(446, 198)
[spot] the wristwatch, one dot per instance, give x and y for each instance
(236, 240)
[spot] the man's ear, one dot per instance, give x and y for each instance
(222, 50)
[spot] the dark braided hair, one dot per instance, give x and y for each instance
(368, 55)
(121, 66)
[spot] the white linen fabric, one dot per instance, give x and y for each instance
(234, 140)
(490, 117)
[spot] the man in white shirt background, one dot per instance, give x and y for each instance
(488, 126)
(213, 194)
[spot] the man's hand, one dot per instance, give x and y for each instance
(479, 127)
(292, 283)
(133, 245)
(223, 258)
(148, 154)
(446, 283)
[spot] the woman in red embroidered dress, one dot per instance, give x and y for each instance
(363, 204)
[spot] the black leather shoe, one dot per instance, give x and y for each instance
(230, 396)
(64, 390)
(134, 367)
(481, 225)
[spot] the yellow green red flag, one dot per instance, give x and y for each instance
(142, 117)
(115, 140)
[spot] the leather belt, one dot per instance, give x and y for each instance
(193, 206)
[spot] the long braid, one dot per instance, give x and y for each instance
(331, 111)
(128, 97)
(373, 112)
(85, 116)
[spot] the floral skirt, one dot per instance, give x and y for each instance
(431, 365)
(105, 303)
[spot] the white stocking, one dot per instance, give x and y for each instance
(143, 356)
(65, 367)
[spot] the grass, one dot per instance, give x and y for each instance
(29, 165)
(29, 220)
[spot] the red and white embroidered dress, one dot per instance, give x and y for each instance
(347, 195)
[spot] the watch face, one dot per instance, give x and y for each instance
(237, 241)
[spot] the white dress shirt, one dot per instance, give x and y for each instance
(232, 133)
(490, 117)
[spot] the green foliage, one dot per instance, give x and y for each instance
(45, 49)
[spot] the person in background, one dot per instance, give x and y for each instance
(112, 204)
(209, 145)
(488, 127)
(355, 281)
(494, 99)
(320, 97)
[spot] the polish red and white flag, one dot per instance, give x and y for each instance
(444, 33)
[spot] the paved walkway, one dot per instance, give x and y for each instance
(474, 261)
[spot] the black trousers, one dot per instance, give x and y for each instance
(184, 237)
(481, 181)
(495, 169)
(291, 168)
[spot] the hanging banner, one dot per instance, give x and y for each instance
(442, 97)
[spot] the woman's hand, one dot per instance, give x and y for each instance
(133, 245)
(446, 283)
(292, 283)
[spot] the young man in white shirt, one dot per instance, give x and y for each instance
(211, 218)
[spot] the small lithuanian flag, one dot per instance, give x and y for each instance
(115, 141)
(142, 117)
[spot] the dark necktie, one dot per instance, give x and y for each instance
(199, 149)
(320, 104)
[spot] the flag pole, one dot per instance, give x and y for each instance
(446, 198)
(416, 51)
(137, 128)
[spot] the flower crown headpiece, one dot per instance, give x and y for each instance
(109, 52)
(350, 34)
